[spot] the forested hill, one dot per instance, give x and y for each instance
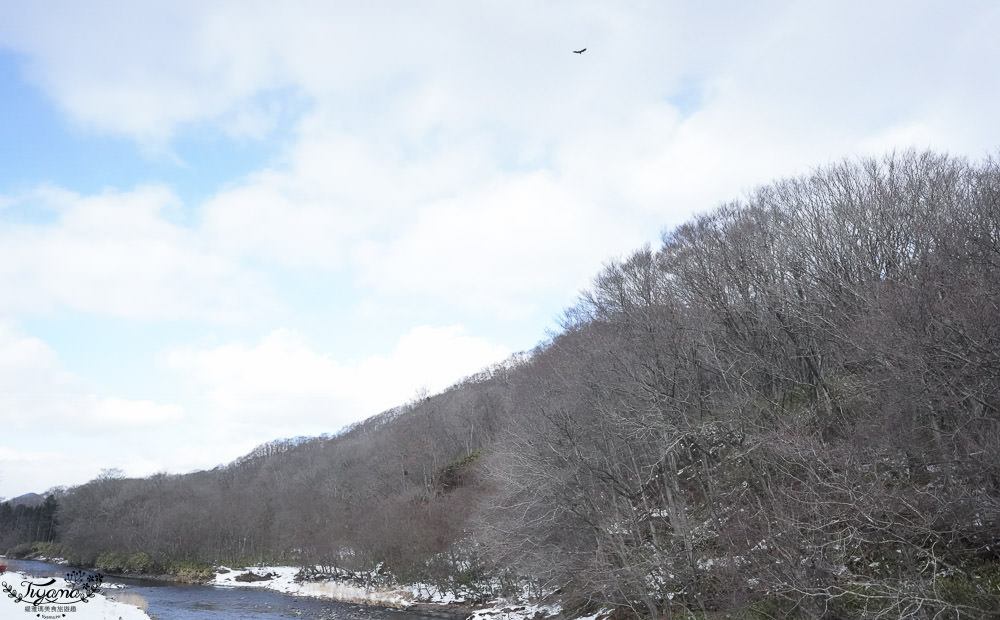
(791, 407)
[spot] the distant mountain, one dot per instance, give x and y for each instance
(28, 499)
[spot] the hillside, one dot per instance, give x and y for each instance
(791, 407)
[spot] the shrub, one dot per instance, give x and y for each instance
(111, 562)
(138, 563)
(189, 571)
(48, 549)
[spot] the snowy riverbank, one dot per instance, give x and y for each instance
(427, 598)
(419, 598)
(282, 579)
(101, 606)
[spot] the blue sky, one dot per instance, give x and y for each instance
(223, 223)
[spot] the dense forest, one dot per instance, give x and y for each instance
(790, 407)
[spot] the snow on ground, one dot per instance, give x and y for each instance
(282, 579)
(99, 607)
(514, 611)
(42, 558)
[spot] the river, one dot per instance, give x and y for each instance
(174, 601)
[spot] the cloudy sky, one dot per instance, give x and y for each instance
(223, 223)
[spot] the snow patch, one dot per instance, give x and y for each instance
(282, 579)
(100, 607)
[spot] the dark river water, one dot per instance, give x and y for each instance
(172, 601)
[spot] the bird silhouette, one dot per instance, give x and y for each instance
(580, 51)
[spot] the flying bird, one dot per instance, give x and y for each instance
(580, 51)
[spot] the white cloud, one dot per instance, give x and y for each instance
(115, 254)
(414, 118)
(62, 460)
(131, 413)
(282, 382)
(496, 248)
(134, 69)
(144, 70)
(34, 470)
(34, 388)
(38, 392)
(58, 431)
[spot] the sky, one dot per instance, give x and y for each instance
(228, 222)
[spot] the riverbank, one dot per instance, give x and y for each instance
(47, 599)
(283, 579)
(420, 598)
